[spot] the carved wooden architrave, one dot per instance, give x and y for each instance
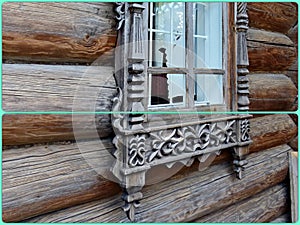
(139, 147)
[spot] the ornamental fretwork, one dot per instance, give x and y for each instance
(191, 139)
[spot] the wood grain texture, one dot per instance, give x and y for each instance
(42, 128)
(293, 174)
(270, 51)
(62, 32)
(271, 130)
(189, 196)
(272, 16)
(267, 131)
(272, 92)
(45, 178)
(32, 87)
(260, 208)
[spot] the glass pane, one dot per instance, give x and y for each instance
(166, 31)
(209, 89)
(207, 19)
(167, 89)
(199, 18)
(161, 16)
(160, 49)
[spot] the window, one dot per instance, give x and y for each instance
(185, 54)
(193, 60)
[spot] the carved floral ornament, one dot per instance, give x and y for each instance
(140, 146)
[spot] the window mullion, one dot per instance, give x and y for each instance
(190, 81)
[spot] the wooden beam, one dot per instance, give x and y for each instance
(183, 197)
(33, 87)
(267, 131)
(260, 208)
(272, 92)
(272, 16)
(270, 51)
(44, 128)
(45, 178)
(293, 173)
(271, 130)
(61, 32)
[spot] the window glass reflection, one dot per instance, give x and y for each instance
(208, 89)
(166, 31)
(207, 26)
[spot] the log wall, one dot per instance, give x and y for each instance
(72, 182)
(272, 46)
(51, 65)
(58, 32)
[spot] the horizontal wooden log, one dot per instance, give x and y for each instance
(266, 132)
(62, 32)
(261, 208)
(42, 128)
(269, 51)
(45, 178)
(32, 87)
(189, 197)
(267, 37)
(272, 16)
(272, 92)
(271, 130)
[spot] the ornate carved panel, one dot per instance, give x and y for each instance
(140, 146)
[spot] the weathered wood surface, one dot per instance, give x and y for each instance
(42, 128)
(263, 207)
(32, 87)
(293, 174)
(267, 131)
(272, 92)
(269, 51)
(189, 196)
(271, 130)
(44, 178)
(285, 218)
(62, 32)
(272, 16)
